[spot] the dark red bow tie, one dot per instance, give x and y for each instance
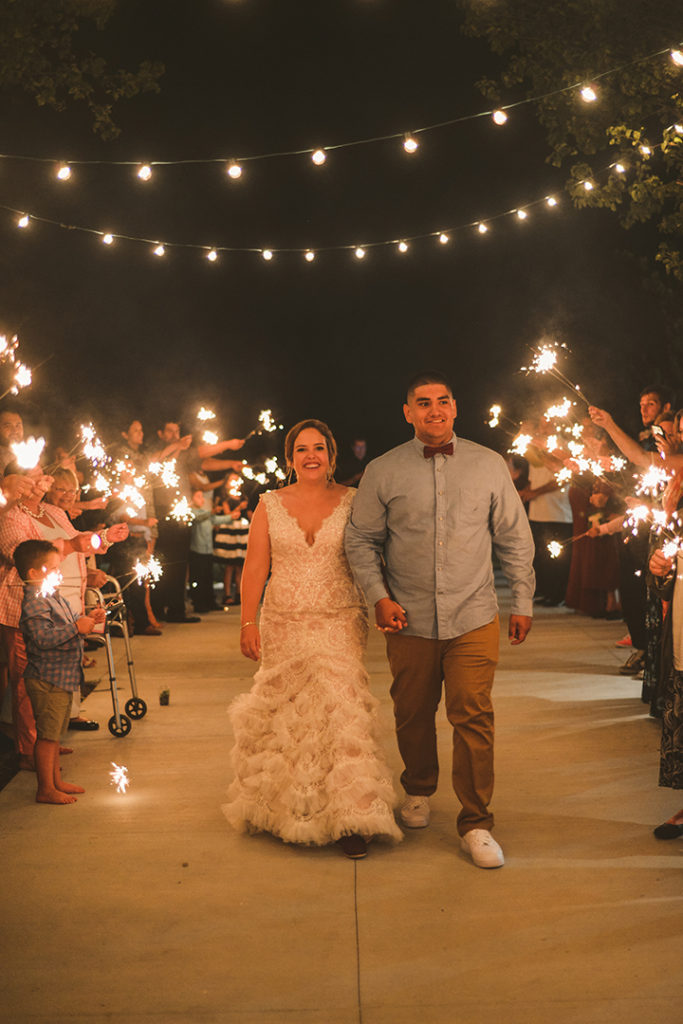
(443, 449)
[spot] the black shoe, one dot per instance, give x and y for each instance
(668, 831)
(633, 664)
(183, 618)
(83, 725)
(353, 846)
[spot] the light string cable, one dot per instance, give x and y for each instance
(319, 154)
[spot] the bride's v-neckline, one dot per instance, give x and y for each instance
(323, 521)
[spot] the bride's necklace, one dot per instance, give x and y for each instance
(34, 515)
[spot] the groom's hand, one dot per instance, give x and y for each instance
(389, 616)
(518, 627)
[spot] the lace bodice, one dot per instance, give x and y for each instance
(309, 578)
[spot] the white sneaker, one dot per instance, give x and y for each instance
(414, 811)
(482, 848)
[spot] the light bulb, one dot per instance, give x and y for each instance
(588, 94)
(403, 247)
(360, 253)
(588, 186)
(522, 214)
(646, 151)
(443, 238)
(410, 144)
(482, 229)
(267, 254)
(107, 239)
(63, 172)
(144, 172)
(619, 168)
(678, 128)
(551, 201)
(159, 250)
(234, 170)
(309, 255)
(212, 255)
(23, 221)
(499, 116)
(677, 57)
(319, 156)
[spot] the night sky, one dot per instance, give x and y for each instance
(130, 335)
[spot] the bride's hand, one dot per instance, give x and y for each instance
(250, 641)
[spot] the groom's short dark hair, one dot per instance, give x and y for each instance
(427, 377)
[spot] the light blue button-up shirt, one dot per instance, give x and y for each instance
(428, 526)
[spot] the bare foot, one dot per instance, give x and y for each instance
(68, 787)
(677, 819)
(26, 763)
(53, 796)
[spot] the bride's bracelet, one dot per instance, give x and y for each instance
(245, 624)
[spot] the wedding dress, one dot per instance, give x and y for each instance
(307, 762)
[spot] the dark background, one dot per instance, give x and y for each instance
(128, 335)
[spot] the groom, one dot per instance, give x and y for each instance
(419, 542)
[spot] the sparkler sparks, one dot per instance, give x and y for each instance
(555, 549)
(210, 437)
(51, 583)
(93, 449)
(494, 412)
(181, 511)
(119, 777)
(205, 414)
(521, 443)
(28, 452)
(652, 481)
(235, 488)
(149, 571)
(560, 411)
(545, 361)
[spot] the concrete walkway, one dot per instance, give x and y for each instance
(147, 908)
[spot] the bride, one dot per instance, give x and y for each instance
(307, 763)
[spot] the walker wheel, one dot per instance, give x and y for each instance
(136, 707)
(119, 730)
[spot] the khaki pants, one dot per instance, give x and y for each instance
(465, 666)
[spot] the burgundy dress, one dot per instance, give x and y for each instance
(594, 567)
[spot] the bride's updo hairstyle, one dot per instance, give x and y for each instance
(323, 429)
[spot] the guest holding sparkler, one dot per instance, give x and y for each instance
(11, 431)
(667, 574)
(230, 533)
(307, 764)
(53, 634)
(426, 519)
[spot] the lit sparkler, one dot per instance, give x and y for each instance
(181, 511)
(521, 443)
(268, 424)
(495, 412)
(555, 549)
(51, 583)
(545, 361)
(22, 378)
(28, 452)
(564, 476)
(652, 481)
(205, 414)
(560, 411)
(93, 449)
(149, 571)
(119, 777)
(210, 437)
(235, 488)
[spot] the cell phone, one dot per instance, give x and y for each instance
(657, 430)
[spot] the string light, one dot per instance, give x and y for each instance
(360, 253)
(499, 117)
(144, 172)
(403, 247)
(677, 57)
(107, 239)
(267, 255)
(309, 255)
(588, 94)
(212, 255)
(482, 228)
(234, 170)
(444, 238)
(522, 214)
(619, 168)
(588, 185)
(646, 151)
(410, 144)
(159, 250)
(63, 172)
(551, 201)
(318, 156)
(23, 221)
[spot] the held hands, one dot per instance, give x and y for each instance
(518, 627)
(250, 641)
(117, 532)
(389, 616)
(660, 565)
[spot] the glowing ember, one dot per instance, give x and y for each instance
(119, 777)
(28, 452)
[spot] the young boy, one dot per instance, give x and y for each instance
(55, 651)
